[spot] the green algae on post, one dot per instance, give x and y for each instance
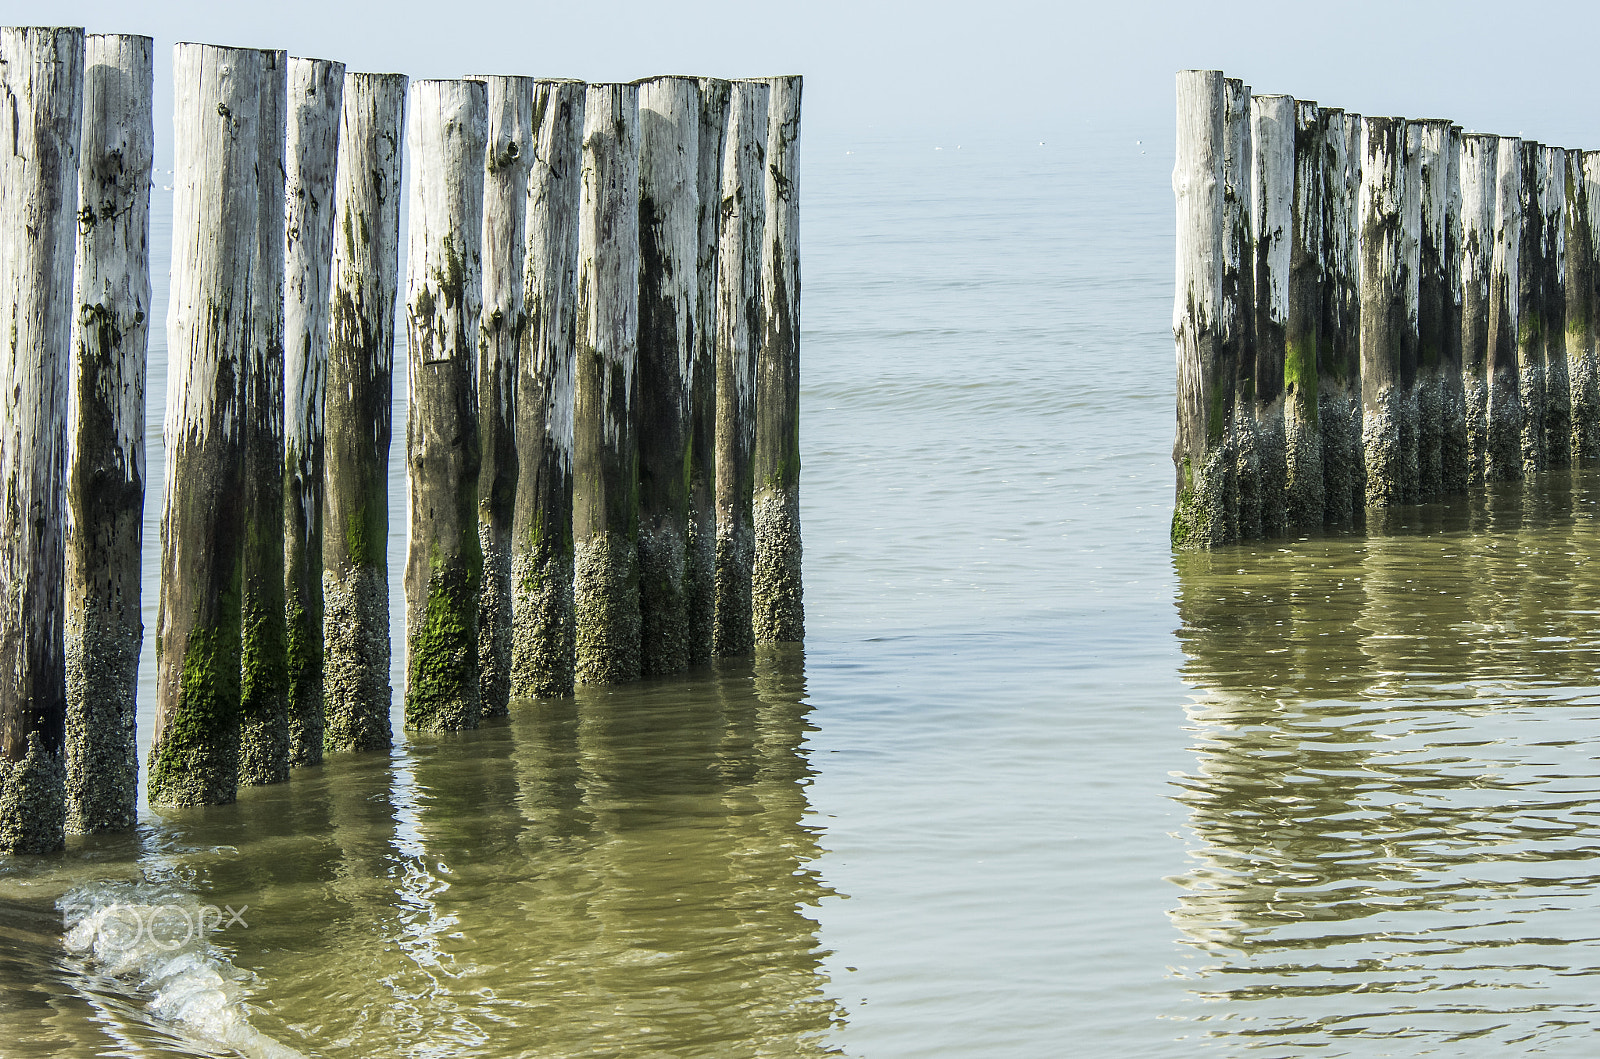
(194, 754)
(316, 98)
(1338, 335)
(1234, 479)
(1503, 434)
(605, 486)
(1381, 224)
(508, 155)
(106, 447)
(777, 597)
(365, 274)
(445, 139)
(1303, 483)
(264, 676)
(41, 75)
(1530, 293)
(541, 527)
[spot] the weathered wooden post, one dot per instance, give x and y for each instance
(445, 138)
(738, 332)
(507, 160)
(1235, 370)
(1302, 432)
(1435, 345)
(264, 681)
(1338, 349)
(1452, 391)
(1553, 301)
(1381, 220)
(669, 236)
(1530, 290)
(777, 597)
(1478, 168)
(1503, 453)
(541, 531)
(105, 433)
(194, 758)
(605, 516)
(1272, 136)
(316, 98)
(1410, 288)
(1580, 320)
(355, 532)
(700, 562)
(1201, 455)
(41, 74)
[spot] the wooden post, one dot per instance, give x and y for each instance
(669, 237)
(316, 97)
(1452, 394)
(507, 161)
(366, 266)
(1583, 235)
(738, 332)
(1530, 307)
(700, 562)
(1503, 451)
(1434, 342)
(1383, 306)
(1410, 188)
(1241, 488)
(105, 433)
(194, 758)
(445, 138)
(1338, 349)
(777, 597)
(1272, 137)
(41, 74)
(1200, 454)
(541, 531)
(605, 516)
(1477, 174)
(264, 681)
(1553, 300)
(1302, 432)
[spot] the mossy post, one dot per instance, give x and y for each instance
(1553, 303)
(1503, 451)
(194, 756)
(1235, 382)
(541, 525)
(669, 235)
(1530, 294)
(1302, 432)
(700, 562)
(355, 512)
(446, 137)
(1338, 346)
(1200, 454)
(1437, 348)
(605, 512)
(777, 598)
(1381, 223)
(1583, 308)
(316, 97)
(1272, 138)
(507, 159)
(1477, 169)
(42, 77)
(738, 333)
(105, 433)
(264, 650)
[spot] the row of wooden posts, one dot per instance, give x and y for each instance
(601, 312)
(1371, 311)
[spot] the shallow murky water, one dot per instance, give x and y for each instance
(1035, 787)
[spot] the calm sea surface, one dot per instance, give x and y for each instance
(1034, 787)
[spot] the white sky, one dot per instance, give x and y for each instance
(945, 68)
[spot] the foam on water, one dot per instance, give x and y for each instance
(154, 944)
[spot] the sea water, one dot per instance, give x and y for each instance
(1034, 786)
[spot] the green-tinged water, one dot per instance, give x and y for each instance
(1037, 788)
